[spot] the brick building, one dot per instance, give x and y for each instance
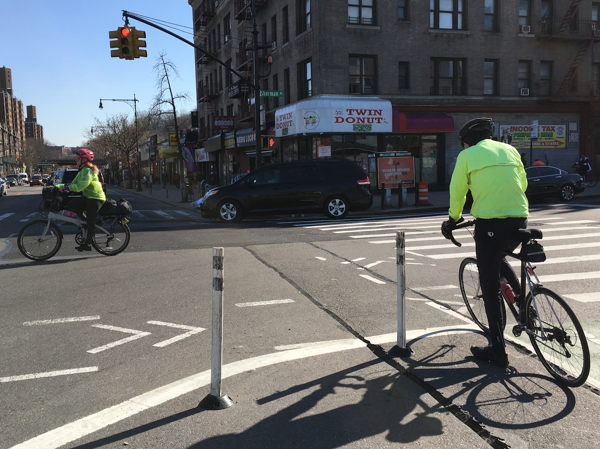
(366, 78)
(32, 128)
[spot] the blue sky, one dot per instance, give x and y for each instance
(59, 53)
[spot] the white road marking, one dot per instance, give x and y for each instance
(546, 248)
(264, 303)
(163, 214)
(344, 263)
(569, 276)
(2, 217)
(412, 252)
(584, 297)
(28, 217)
(192, 331)
(569, 259)
(182, 212)
(573, 222)
(320, 258)
(64, 372)
(80, 428)
(136, 334)
(358, 259)
(375, 263)
(371, 278)
(61, 320)
(433, 287)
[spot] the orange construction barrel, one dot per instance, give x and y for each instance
(423, 194)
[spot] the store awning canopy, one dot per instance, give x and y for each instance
(404, 123)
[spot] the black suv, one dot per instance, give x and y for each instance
(334, 187)
(59, 179)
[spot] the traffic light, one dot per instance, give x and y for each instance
(122, 43)
(136, 36)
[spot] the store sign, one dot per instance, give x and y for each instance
(548, 136)
(334, 115)
(173, 140)
(201, 155)
(236, 89)
(224, 122)
(396, 171)
(245, 137)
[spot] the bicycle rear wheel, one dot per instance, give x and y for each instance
(558, 337)
(115, 241)
(591, 179)
(468, 278)
(32, 245)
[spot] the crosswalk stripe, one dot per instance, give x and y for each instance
(163, 214)
(569, 276)
(546, 248)
(584, 297)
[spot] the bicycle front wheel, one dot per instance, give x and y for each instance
(113, 242)
(468, 278)
(33, 246)
(558, 337)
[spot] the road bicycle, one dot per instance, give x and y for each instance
(553, 329)
(41, 239)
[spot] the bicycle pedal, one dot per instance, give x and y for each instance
(517, 330)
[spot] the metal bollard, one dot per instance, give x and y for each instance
(215, 400)
(400, 350)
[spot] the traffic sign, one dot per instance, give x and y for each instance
(271, 93)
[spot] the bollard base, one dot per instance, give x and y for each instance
(397, 351)
(211, 402)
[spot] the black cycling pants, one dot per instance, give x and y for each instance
(91, 208)
(494, 237)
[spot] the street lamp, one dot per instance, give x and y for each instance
(137, 139)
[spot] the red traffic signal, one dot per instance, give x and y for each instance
(124, 32)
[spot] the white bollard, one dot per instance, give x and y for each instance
(400, 350)
(215, 400)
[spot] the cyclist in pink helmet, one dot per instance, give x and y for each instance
(92, 198)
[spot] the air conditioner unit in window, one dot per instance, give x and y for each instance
(525, 29)
(273, 45)
(524, 92)
(227, 37)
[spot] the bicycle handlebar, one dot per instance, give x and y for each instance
(464, 224)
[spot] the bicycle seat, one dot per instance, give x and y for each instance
(525, 235)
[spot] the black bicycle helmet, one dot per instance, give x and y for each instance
(475, 130)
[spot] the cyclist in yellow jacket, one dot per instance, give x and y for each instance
(92, 198)
(494, 173)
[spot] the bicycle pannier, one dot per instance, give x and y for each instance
(112, 207)
(534, 252)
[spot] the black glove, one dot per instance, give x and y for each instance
(448, 226)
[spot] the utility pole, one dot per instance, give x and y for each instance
(256, 86)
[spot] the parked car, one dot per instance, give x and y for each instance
(5, 181)
(36, 180)
(58, 179)
(13, 180)
(545, 181)
(23, 177)
(333, 187)
(3, 187)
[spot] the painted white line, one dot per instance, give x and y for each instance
(64, 372)
(80, 428)
(358, 259)
(2, 217)
(570, 276)
(371, 278)
(375, 263)
(546, 248)
(61, 320)
(433, 287)
(584, 297)
(320, 258)
(192, 331)
(344, 263)
(136, 334)
(569, 259)
(182, 212)
(412, 252)
(164, 214)
(28, 217)
(573, 222)
(264, 303)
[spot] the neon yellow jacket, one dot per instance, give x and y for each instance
(495, 174)
(88, 183)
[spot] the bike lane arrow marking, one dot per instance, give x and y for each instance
(136, 334)
(192, 331)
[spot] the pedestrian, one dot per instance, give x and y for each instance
(177, 180)
(538, 162)
(546, 158)
(165, 180)
(146, 181)
(523, 159)
(494, 173)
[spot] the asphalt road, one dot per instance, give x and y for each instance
(81, 333)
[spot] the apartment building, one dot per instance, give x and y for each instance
(365, 79)
(32, 128)
(12, 128)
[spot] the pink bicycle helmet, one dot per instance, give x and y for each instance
(85, 155)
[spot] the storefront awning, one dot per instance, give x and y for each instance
(334, 114)
(214, 143)
(421, 123)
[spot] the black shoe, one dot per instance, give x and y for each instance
(489, 355)
(83, 247)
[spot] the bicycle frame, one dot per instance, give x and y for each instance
(53, 216)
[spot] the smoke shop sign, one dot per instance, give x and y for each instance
(334, 115)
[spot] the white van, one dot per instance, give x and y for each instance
(24, 178)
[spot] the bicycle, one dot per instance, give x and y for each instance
(42, 239)
(553, 329)
(591, 179)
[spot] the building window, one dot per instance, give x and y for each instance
(228, 74)
(276, 88)
(402, 9)
(220, 78)
(596, 80)
(524, 74)
(596, 14)
(546, 16)
(403, 75)
(286, 86)
(274, 29)
(546, 78)
(219, 37)
(447, 76)
(304, 79)
(361, 12)
(303, 14)
(446, 14)
(286, 25)
(524, 13)
(227, 28)
(490, 76)
(490, 15)
(362, 74)
(230, 110)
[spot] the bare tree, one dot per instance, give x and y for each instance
(34, 151)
